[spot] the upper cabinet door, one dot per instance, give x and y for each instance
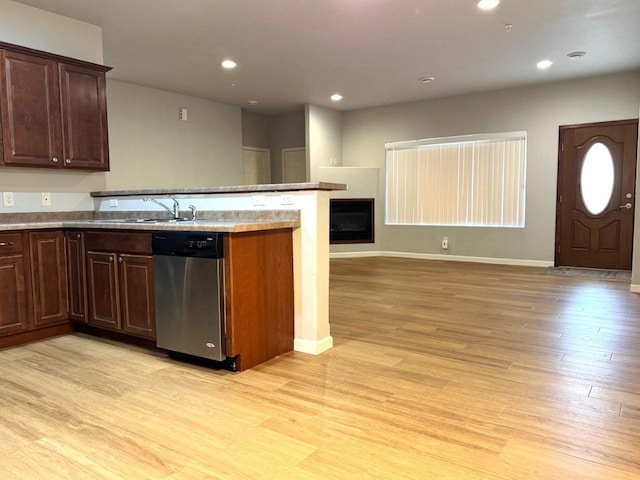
(84, 118)
(30, 102)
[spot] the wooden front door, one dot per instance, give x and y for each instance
(596, 195)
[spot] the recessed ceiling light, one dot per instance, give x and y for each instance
(252, 102)
(488, 4)
(336, 97)
(228, 64)
(427, 79)
(544, 64)
(575, 55)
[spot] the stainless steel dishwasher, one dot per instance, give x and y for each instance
(189, 293)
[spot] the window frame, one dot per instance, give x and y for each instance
(519, 181)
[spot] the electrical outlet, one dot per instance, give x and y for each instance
(46, 199)
(7, 199)
(286, 199)
(445, 243)
(258, 200)
(113, 202)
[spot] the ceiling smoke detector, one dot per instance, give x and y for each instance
(336, 97)
(252, 102)
(576, 55)
(427, 79)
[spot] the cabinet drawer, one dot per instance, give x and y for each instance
(125, 242)
(10, 243)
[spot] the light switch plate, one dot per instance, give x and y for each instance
(7, 199)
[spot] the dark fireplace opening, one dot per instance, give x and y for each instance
(351, 220)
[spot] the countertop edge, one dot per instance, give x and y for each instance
(198, 226)
(275, 187)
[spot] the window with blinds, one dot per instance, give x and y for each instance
(472, 180)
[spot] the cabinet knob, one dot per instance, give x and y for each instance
(79, 236)
(54, 160)
(119, 259)
(6, 244)
(67, 161)
(111, 258)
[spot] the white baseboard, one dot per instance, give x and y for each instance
(634, 288)
(450, 258)
(313, 347)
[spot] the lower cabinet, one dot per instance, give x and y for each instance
(76, 276)
(48, 278)
(120, 282)
(14, 284)
(259, 319)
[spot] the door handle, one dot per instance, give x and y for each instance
(628, 206)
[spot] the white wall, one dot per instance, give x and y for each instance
(539, 110)
(255, 130)
(150, 147)
(323, 139)
(35, 28)
(285, 131)
(274, 132)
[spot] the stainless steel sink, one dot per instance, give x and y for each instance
(144, 220)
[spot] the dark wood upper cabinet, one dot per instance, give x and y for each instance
(30, 110)
(54, 111)
(84, 118)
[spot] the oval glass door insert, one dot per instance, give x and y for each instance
(596, 178)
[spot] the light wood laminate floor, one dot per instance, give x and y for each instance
(439, 371)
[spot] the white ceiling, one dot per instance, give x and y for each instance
(292, 52)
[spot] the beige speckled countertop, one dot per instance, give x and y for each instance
(85, 220)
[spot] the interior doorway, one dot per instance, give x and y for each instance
(294, 165)
(596, 195)
(256, 165)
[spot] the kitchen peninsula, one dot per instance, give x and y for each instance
(303, 208)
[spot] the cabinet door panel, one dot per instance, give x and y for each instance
(76, 276)
(136, 290)
(102, 285)
(13, 304)
(30, 110)
(84, 118)
(48, 277)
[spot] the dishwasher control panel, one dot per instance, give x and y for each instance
(187, 244)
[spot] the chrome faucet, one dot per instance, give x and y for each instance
(194, 212)
(176, 206)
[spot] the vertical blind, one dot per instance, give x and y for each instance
(475, 180)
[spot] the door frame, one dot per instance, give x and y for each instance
(561, 130)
